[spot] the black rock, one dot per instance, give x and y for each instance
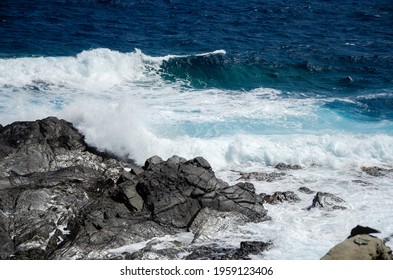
(174, 191)
(279, 197)
(63, 199)
(362, 230)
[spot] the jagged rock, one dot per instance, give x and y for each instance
(327, 201)
(306, 190)
(62, 199)
(283, 166)
(279, 197)
(48, 145)
(260, 176)
(208, 223)
(58, 198)
(174, 191)
(360, 247)
(254, 247)
(128, 193)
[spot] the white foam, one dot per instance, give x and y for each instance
(90, 70)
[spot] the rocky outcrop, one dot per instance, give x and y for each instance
(174, 191)
(360, 246)
(62, 199)
(208, 223)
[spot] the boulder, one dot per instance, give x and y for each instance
(279, 197)
(360, 247)
(174, 191)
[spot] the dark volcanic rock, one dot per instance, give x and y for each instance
(175, 191)
(279, 197)
(327, 201)
(209, 222)
(58, 199)
(62, 199)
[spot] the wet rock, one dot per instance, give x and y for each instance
(306, 190)
(283, 166)
(62, 199)
(58, 199)
(209, 223)
(279, 197)
(215, 252)
(158, 250)
(327, 201)
(261, 176)
(174, 191)
(48, 145)
(254, 247)
(360, 247)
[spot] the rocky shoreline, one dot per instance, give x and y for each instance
(63, 199)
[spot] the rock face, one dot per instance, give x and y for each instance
(209, 222)
(174, 191)
(61, 199)
(360, 247)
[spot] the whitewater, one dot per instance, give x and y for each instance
(129, 104)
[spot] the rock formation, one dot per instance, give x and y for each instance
(62, 199)
(360, 247)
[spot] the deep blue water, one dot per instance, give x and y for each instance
(336, 48)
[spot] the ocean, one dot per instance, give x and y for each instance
(245, 84)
